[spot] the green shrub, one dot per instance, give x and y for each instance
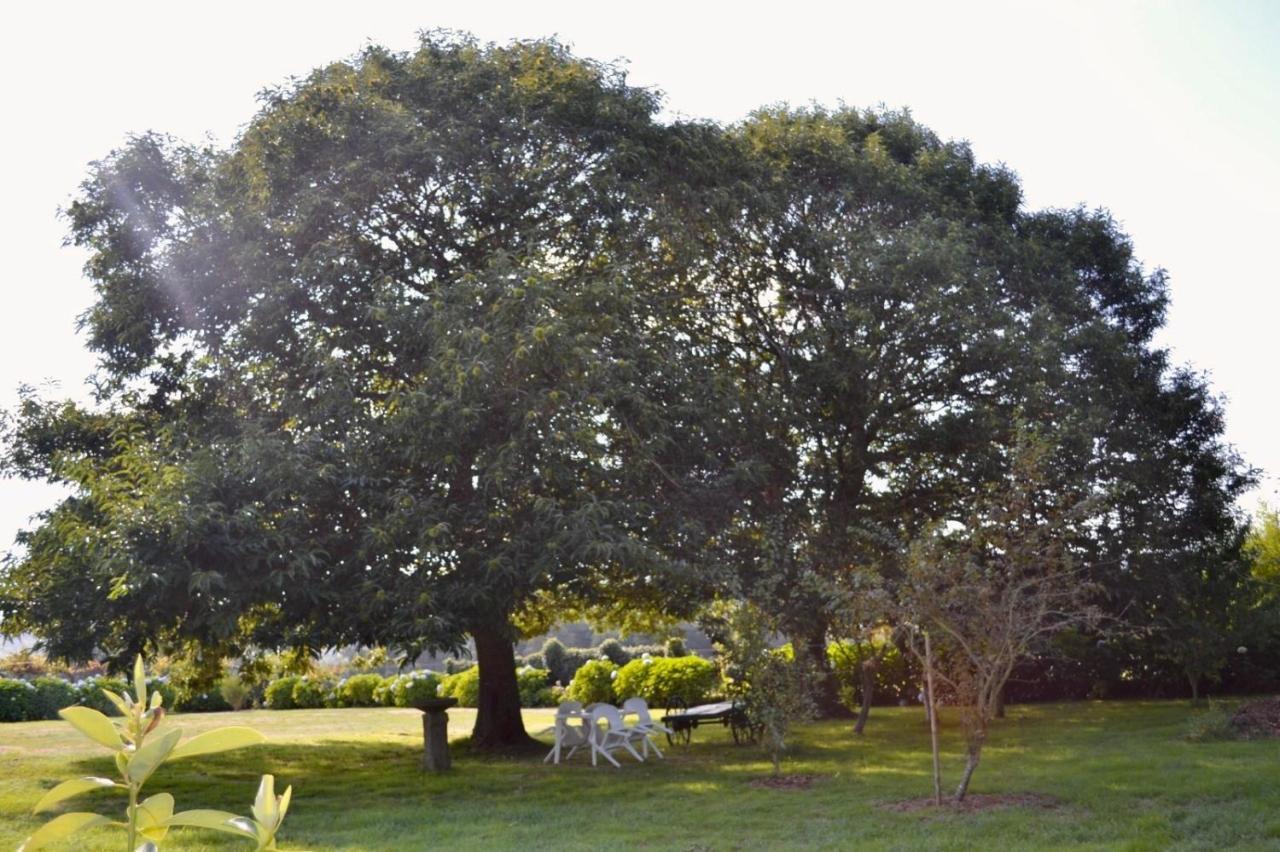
(535, 660)
(666, 681)
(593, 683)
(311, 693)
(357, 690)
(675, 647)
(279, 694)
(896, 676)
(414, 687)
(553, 657)
(384, 695)
(464, 686)
(17, 701)
(208, 700)
(534, 689)
(89, 692)
(52, 694)
(234, 691)
(612, 650)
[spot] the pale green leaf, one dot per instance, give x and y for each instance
(93, 725)
(215, 820)
(74, 787)
(60, 828)
(152, 816)
(221, 739)
(117, 700)
(145, 760)
(140, 681)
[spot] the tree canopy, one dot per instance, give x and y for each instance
(447, 335)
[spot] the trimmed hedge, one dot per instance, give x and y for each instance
(52, 694)
(666, 681)
(357, 690)
(311, 693)
(464, 686)
(279, 693)
(89, 693)
(17, 701)
(593, 683)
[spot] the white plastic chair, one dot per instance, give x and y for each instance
(567, 735)
(645, 723)
(613, 736)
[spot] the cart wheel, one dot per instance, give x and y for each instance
(680, 736)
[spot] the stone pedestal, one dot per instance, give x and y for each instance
(435, 733)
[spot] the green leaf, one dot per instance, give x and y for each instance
(140, 681)
(222, 739)
(74, 787)
(93, 725)
(59, 828)
(152, 816)
(215, 820)
(152, 754)
(118, 701)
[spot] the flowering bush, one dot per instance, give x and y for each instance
(414, 687)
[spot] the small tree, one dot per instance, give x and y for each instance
(996, 588)
(773, 690)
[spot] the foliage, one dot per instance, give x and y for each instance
(279, 693)
(897, 676)
(52, 694)
(358, 690)
(593, 683)
(140, 748)
(666, 682)
(311, 692)
(535, 691)
(17, 701)
(464, 686)
(442, 335)
(674, 647)
(612, 650)
(998, 586)
(234, 690)
(769, 685)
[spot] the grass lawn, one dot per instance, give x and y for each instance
(1125, 777)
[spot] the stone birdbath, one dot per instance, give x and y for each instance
(435, 732)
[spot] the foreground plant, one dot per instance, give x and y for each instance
(140, 748)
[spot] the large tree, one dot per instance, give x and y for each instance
(889, 310)
(365, 374)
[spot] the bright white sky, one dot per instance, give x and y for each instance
(1167, 113)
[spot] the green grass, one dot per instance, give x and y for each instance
(1125, 775)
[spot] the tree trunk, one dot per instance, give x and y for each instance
(810, 647)
(498, 725)
(1194, 680)
(867, 674)
(1000, 703)
(970, 764)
